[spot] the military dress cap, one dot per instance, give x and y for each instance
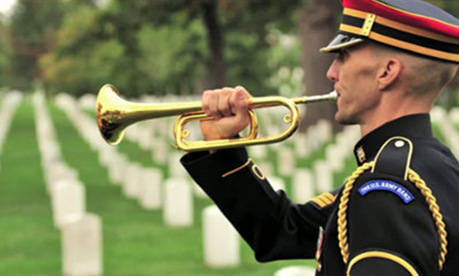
(411, 25)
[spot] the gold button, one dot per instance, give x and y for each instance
(319, 267)
(399, 143)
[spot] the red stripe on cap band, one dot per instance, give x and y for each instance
(416, 20)
(403, 27)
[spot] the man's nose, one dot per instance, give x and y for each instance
(333, 71)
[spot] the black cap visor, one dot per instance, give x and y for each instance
(341, 41)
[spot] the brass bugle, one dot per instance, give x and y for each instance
(114, 115)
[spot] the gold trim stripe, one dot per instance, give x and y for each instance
(324, 199)
(414, 47)
(237, 169)
(330, 197)
(382, 255)
(402, 27)
(350, 29)
(402, 44)
(319, 202)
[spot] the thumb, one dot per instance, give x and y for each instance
(240, 105)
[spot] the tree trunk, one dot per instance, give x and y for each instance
(216, 44)
(318, 25)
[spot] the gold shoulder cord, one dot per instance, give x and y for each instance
(420, 184)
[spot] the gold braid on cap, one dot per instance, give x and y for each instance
(425, 191)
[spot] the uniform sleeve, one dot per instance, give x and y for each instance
(267, 220)
(391, 229)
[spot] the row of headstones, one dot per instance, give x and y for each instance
(448, 123)
(302, 145)
(10, 102)
(174, 195)
(218, 233)
(156, 135)
(81, 232)
(303, 179)
(151, 135)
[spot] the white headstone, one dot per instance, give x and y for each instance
(117, 169)
(57, 171)
(150, 194)
(221, 241)
(266, 168)
(82, 247)
(296, 271)
(286, 161)
(160, 151)
(323, 176)
(454, 115)
(132, 180)
(176, 170)
(277, 183)
(313, 138)
(335, 157)
(178, 202)
(198, 191)
(145, 136)
(303, 185)
(87, 101)
(301, 145)
(68, 201)
(258, 152)
(132, 133)
(325, 130)
(107, 155)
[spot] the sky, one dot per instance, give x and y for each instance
(6, 5)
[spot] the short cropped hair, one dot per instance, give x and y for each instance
(424, 76)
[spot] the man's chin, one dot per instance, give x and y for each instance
(345, 120)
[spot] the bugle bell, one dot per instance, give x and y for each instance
(114, 115)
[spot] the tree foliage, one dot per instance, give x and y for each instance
(32, 33)
(156, 47)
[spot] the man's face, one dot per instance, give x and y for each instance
(354, 73)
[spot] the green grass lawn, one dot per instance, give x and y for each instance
(30, 244)
(136, 242)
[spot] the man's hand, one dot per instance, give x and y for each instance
(229, 107)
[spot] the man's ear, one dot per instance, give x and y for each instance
(389, 73)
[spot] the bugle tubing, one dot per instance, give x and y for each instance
(114, 115)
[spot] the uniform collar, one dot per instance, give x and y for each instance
(417, 125)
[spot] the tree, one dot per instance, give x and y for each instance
(5, 53)
(236, 33)
(160, 46)
(318, 25)
(33, 29)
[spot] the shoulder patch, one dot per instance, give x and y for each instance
(389, 186)
(394, 157)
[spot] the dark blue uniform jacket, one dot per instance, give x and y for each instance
(392, 227)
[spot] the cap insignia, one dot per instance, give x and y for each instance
(368, 24)
(361, 154)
